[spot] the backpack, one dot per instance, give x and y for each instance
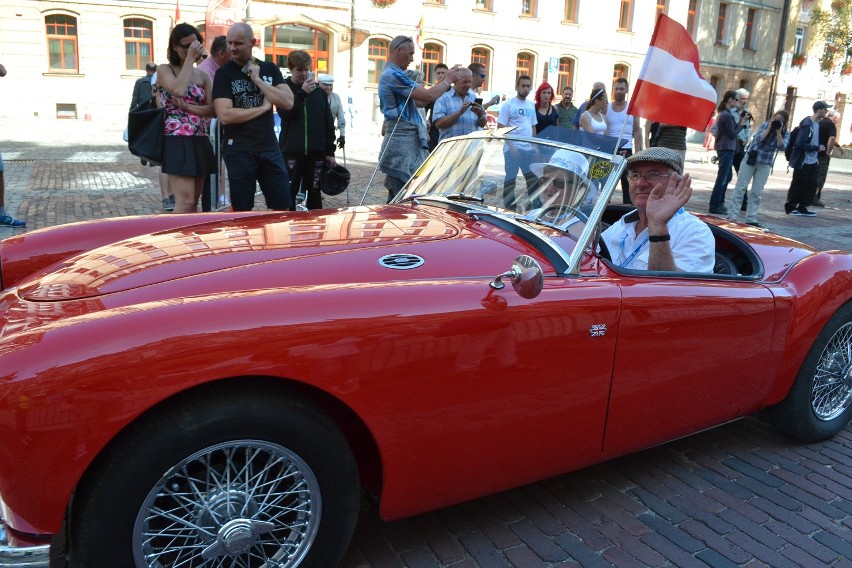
(788, 151)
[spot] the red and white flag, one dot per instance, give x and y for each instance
(670, 88)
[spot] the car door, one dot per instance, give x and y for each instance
(692, 353)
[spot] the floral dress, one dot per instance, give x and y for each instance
(179, 122)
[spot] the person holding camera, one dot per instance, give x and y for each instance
(771, 137)
(727, 129)
(307, 132)
(458, 112)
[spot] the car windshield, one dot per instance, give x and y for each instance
(537, 182)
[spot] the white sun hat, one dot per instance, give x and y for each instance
(567, 160)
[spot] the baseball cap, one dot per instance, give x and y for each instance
(821, 105)
(658, 155)
(325, 78)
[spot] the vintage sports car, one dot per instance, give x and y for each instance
(217, 389)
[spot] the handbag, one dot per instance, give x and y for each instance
(145, 126)
(752, 157)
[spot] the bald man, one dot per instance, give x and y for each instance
(244, 92)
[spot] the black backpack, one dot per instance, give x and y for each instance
(788, 151)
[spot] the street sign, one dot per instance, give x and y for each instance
(553, 65)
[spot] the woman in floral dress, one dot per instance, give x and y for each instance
(187, 153)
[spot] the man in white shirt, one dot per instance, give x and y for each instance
(623, 126)
(520, 113)
(659, 234)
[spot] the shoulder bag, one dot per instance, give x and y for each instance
(145, 126)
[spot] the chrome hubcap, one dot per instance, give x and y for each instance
(241, 504)
(832, 390)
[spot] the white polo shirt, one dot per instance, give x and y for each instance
(692, 243)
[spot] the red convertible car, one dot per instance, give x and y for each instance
(217, 389)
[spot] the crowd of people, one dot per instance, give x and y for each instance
(243, 92)
(229, 84)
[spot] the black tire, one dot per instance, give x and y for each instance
(818, 405)
(188, 459)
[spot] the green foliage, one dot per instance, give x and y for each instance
(834, 28)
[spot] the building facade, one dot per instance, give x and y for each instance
(80, 59)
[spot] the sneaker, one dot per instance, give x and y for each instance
(169, 203)
(9, 221)
(803, 212)
(788, 208)
(818, 203)
(754, 224)
(719, 210)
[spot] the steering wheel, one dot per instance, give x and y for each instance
(562, 211)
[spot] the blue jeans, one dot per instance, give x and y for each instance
(723, 178)
(247, 169)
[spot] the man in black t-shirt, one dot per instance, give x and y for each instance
(244, 92)
(827, 140)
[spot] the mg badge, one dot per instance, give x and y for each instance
(598, 330)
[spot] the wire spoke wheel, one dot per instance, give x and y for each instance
(238, 504)
(832, 386)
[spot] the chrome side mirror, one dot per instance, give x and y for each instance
(525, 276)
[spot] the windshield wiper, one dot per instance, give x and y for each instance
(465, 197)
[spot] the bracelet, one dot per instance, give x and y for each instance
(659, 238)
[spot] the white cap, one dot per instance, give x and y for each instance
(325, 78)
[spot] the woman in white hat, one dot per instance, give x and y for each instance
(563, 185)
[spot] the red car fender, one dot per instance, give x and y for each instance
(813, 290)
(136, 357)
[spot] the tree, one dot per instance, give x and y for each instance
(834, 27)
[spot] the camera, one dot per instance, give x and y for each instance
(776, 124)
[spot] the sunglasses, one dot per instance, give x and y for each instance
(481, 75)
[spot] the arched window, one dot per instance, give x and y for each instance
(566, 74)
(279, 41)
(377, 56)
(433, 54)
(138, 43)
(620, 71)
(482, 55)
(61, 32)
(524, 64)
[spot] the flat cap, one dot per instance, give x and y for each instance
(657, 155)
(325, 78)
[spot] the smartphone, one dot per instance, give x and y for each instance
(311, 75)
(252, 61)
(478, 102)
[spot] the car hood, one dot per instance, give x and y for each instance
(258, 245)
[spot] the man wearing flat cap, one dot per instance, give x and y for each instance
(659, 234)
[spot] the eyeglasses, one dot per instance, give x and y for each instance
(481, 75)
(650, 177)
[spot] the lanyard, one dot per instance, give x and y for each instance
(634, 253)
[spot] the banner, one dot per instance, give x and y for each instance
(221, 15)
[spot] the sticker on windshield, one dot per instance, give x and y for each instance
(600, 170)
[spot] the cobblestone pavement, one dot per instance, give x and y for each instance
(739, 495)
